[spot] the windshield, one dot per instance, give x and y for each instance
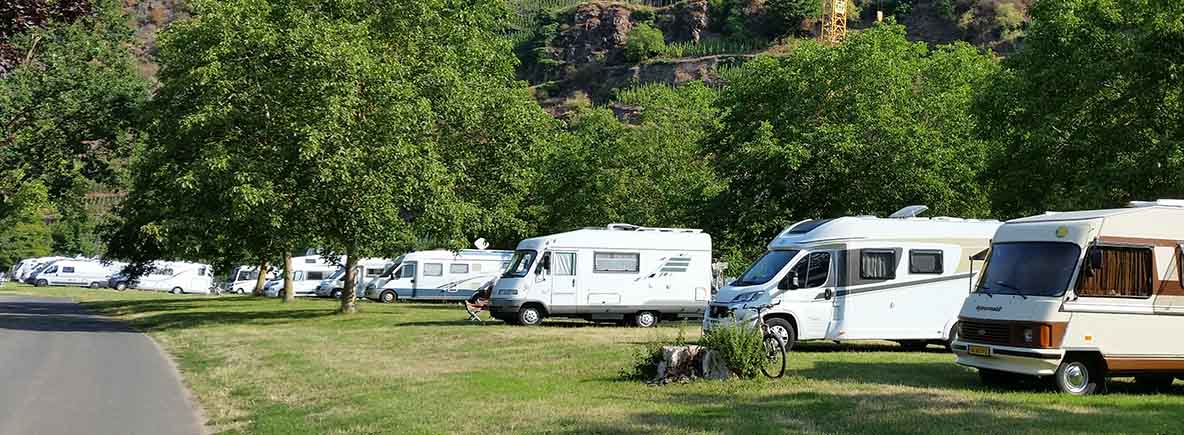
(248, 275)
(520, 264)
(338, 274)
(1030, 268)
(766, 268)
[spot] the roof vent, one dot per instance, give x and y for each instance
(623, 227)
(909, 212)
(1158, 203)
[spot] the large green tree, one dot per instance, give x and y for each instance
(1091, 111)
(869, 126)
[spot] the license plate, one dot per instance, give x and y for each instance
(979, 350)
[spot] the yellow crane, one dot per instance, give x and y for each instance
(834, 20)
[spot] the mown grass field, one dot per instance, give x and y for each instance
(261, 367)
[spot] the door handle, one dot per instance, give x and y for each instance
(828, 294)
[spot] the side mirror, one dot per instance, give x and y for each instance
(1095, 259)
(790, 282)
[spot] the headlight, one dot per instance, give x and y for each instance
(747, 297)
(1029, 336)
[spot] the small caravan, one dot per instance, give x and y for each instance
(75, 272)
(1079, 297)
(366, 270)
(172, 276)
(901, 278)
(615, 273)
(243, 278)
(441, 275)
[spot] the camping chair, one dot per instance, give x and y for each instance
(479, 302)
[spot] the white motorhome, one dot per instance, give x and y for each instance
(441, 275)
(172, 276)
(308, 271)
(1079, 297)
(29, 266)
(616, 273)
(76, 272)
(901, 278)
(243, 278)
(366, 270)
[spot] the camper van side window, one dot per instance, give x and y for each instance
(1126, 272)
(616, 262)
(877, 264)
(67, 269)
(458, 268)
(310, 261)
(925, 262)
(433, 269)
(313, 275)
(373, 272)
(408, 270)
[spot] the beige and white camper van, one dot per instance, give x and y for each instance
(1081, 296)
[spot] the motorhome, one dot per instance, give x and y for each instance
(172, 276)
(76, 272)
(29, 266)
(243, 278)
(366, 270)
(1079, 297)
(619, 272)
(308, 271)
(902, 278)
(441, 275)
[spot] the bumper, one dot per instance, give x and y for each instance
(721, 314)
(499, 307)
(1025, 361)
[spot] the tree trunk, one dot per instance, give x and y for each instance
(262, 279)
(289, 292)
(349, 300)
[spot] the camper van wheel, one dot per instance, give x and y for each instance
(783, 330)
(645, 319)
(529, 316)
(94, 285)
(389, 297)
(1079, 376)
(176, 290)
(336, 294)
(41, 283)
(949, 344)
(121, 286)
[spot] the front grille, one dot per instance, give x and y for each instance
(720, 312)
(985, 332)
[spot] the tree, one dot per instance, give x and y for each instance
(23, 234)
(644, 42)
(869, 126)
(1090, 111)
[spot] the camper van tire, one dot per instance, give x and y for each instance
(388, 297)
(530, 315)
(783, 330)
(336, 294)
(953, 336)
(94, 285)
(645, 319)
(41, 283)
(1080, 375)
(176, 290)
(121, 286)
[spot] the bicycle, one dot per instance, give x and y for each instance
(775, 359)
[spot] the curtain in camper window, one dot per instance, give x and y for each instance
(615, 262)
(563, 263)
(1125, 273)
(877, 264)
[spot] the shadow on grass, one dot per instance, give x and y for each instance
(165, 314)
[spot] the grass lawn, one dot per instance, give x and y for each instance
(261, 367)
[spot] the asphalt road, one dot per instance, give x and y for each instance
(66, 371)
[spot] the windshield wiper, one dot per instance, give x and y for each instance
(1017, 289)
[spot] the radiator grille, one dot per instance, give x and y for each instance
(984, 332)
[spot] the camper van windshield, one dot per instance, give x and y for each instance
(520, 264)
(766, 268)
(338, 274)
(1030, 268)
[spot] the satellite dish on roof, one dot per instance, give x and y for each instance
(481, 244)
(910, 211)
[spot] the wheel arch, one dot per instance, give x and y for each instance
(788, 317)
(538, 305)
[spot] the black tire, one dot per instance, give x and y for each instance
(1155, 382)
(949, 344)
(774, 366)
(1079, 376)
(996, 378)
(121, 286)
(783, 330)
(336, 294)
(41, 283)
(914, 345)
(95, 285)
(388, 297)
(240, 291)
(645, 319)
(177, 290)
(529, 316)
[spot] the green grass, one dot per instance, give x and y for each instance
(260, 367)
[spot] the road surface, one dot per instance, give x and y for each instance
(66, 371)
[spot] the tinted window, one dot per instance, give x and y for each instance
(67, 269)
(925, 262)
(1125, 272)
(313, 275)
(616, 262)
(373, 272)
(433, 269)
(813, 270)
(458, 268)
(766, 268)
(877, 264)
(1030, 268)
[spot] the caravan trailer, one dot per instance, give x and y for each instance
(441, 275)
(175, 277)
(616, 273)
(1079, 297)
(901, 278)
(76, 272)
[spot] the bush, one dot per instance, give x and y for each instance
(644, 42)
(647, 357)
(740, 346)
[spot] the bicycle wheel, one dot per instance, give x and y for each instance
(774, 365)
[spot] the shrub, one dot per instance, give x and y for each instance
(740, 346)
(644, 42)
(647, 356)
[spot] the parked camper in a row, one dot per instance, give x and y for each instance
(172, 276)
(75, 272)
(617, 273)
(367, 270)
(439, 275)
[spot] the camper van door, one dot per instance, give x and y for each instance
(564, 288)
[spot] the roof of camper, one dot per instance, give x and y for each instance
(877, 228)
(1135, 207)
(625, 236)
